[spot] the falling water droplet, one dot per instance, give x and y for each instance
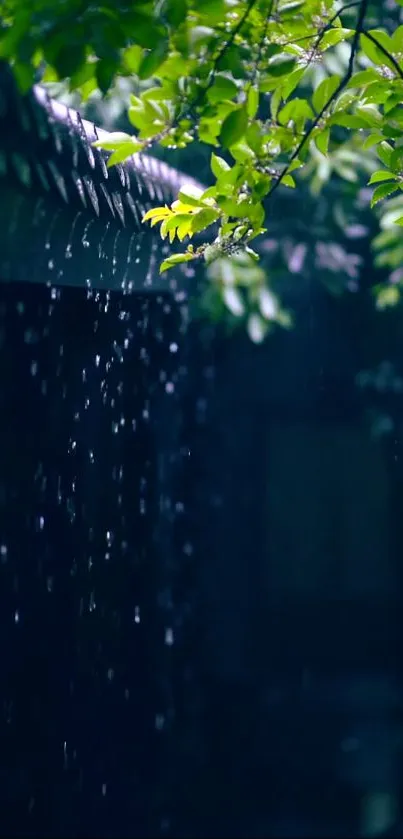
(159, 721)
(169, 637)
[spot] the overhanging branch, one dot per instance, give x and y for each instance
(346, 78)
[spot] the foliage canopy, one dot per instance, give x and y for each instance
(278, 90)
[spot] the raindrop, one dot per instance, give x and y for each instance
(49, 584)
(173, 347)
(68, 251)
(103, 789)
(111, 674)
(137, 614)
(169, 387)
(169, 637)
(51, 228)
(159, 722)
(16, 616)
(3, 553)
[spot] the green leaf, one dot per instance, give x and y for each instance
(191, 195)
(153, 60)
(223, 88)
(175, 11)
(175, 259)
(131, 58)
(113, 141)
(364, 77)
(281, 65)
(288, 86)
(396, 159)
(137, 117)
(399, 221)
(123, 153)
(381, 175)
(384, 152)
(145, 30)
(322, 141)
(372, 140)
(324, 92)
(218, 165)
(335, 36)
(288, 180)
(177, 219)
(372, 51)
(252, 104)
(203, 219)
(275, 102)
(296, 110)
(348, 120)
(382, 191)
(233, 127)
(105, 71)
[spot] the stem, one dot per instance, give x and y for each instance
(346, 78)
(385, 52)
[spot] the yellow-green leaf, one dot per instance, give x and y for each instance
(175, 259)
(218, 165)
(252, 104)
(160, 212)
(381, 175)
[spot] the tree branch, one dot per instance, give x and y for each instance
(385, 52)
(346, 78)
(222, 52)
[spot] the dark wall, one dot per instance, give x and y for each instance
(89, 442)
(298, 555)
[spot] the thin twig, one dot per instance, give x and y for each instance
(385, 52)
(346, 78)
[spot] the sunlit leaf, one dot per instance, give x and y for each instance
(383, 191)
